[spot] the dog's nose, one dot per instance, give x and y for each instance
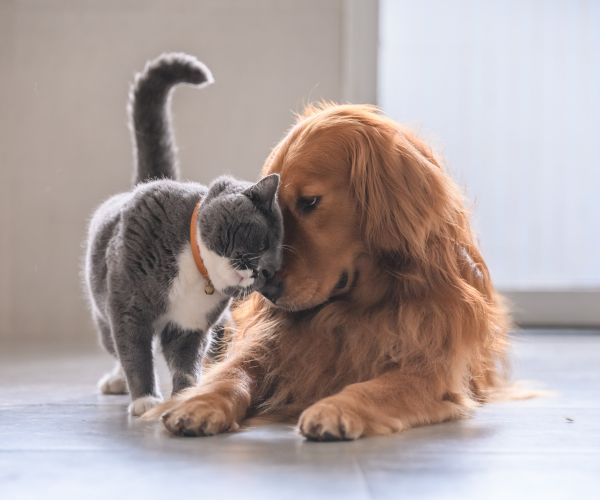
(267, 274)
(273, 288)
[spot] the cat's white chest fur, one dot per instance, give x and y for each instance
(188, 305)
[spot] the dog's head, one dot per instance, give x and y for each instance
(354, 188)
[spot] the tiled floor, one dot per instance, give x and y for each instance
(60, 440)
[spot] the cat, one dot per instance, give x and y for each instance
(166, 258)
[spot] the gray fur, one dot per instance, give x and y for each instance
(150, 120)
(136, 240)
(181, 348)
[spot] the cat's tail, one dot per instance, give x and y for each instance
(149, 113)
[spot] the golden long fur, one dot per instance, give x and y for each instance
(416, 335)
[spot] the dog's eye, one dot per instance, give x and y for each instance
(307, 204)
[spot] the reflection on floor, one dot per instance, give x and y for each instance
(59, 440)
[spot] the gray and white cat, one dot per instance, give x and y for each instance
(141, 276)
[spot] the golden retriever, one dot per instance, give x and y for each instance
(384, 316)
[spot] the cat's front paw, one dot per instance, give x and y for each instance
(141, 405)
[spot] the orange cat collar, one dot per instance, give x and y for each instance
(209, 289)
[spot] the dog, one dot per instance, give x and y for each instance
(384, 316)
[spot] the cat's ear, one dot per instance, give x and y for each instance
(264, 192)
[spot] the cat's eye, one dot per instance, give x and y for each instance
(307, 204)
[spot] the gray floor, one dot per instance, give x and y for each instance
(58, 439)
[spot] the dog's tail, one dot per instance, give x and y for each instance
(517, 391)
(149, 113)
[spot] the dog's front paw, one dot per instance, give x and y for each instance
(329, 420)
(204, 415)
(141, 405)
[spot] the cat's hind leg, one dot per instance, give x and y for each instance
(114, 381)
(183, 351)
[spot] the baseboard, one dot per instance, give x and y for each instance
(565, 308)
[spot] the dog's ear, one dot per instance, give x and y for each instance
(400, 188)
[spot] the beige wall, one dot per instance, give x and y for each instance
(65, 69)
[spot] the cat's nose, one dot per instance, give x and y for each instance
(273, 288)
